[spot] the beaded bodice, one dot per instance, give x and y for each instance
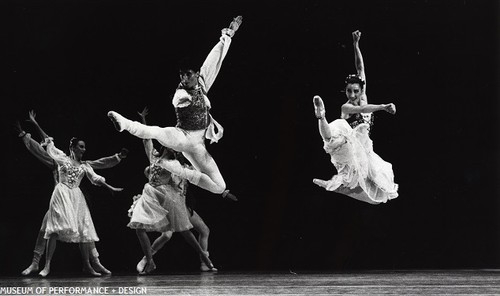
(357, 119)
(70, 175)
(195, 115)
(158, 175)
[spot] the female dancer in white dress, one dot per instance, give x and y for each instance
(68, 217)
(194, 122)
(361, 173)
(39, 152)
(161, 206)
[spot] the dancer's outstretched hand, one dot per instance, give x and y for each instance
(144, 113)
(391, 108)
(32, 117)
(356, 35)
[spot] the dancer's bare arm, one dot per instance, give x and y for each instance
(352, 109)
(32, 119)
(34, 147)
(358, 57)
(148, 143)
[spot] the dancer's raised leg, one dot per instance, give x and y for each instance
(319, 111)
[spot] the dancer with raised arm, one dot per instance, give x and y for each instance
(361, 173)
(161, 206)
(356, 89)
(194, 122)
(68, 217)
(39, 152)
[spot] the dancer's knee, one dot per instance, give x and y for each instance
(167, 235)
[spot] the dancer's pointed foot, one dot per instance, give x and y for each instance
(45, 271)
(206, 264)
(319, 107)
(32, 268)
(89, 270)
(140, 266)
(149, 268)
(229, 195)
(117, 120)
(320, 182)
(98, 267)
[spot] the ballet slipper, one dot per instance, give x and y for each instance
(320, 182)
(89, 270)
(149, 268)
(207, 262)
(98, 267)
(319, 107)
(117, 119)
(229, 195)
(32, 268)
(140, 266)
(45, 271)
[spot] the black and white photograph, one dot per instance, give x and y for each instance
(304, 147)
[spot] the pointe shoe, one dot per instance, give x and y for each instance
(32, 268)
(140, 266)
(117, 120)
(89, 270)
(206, 264)
(229, 195)
(320, 182)
(44, 272)
(149, 268)
(319, 107)
(97, 266)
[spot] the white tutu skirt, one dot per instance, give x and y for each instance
(178, 214)
(69, 216)
(149, 211)
(362, 174)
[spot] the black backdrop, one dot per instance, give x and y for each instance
(72, 61)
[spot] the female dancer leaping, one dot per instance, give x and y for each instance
(69, 218)
(362, 174)
(194, 122)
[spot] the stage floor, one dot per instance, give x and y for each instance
(421, 282)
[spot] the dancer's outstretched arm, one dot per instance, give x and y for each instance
(34, 147)
(360, 65)
(109, 161)
(351, 109)
(213, 62)
(148, 143)
(99, 180)
(32, 119)
(358, 57)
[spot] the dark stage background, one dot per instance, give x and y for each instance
(72, 61)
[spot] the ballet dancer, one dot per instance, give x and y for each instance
(361, 173)
(194, 122)
(161, 206)
(39, 152)
(68, 217)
